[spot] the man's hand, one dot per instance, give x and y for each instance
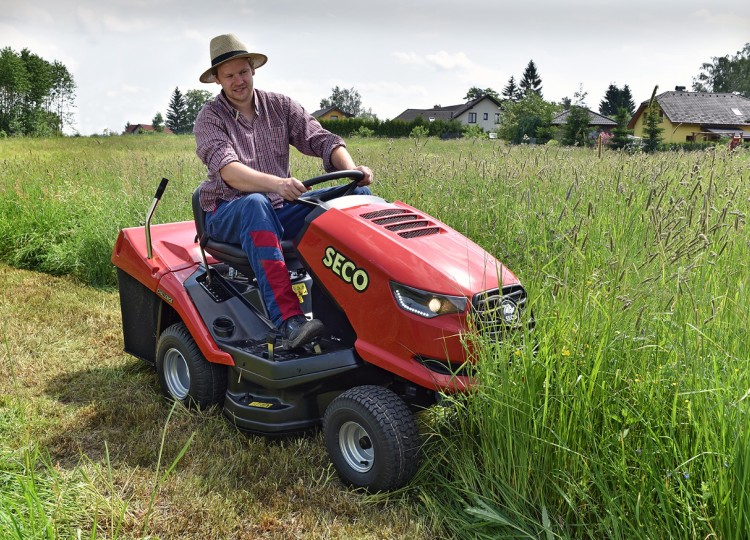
(290, 188)
(367, 180)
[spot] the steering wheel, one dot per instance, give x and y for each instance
(345, 189)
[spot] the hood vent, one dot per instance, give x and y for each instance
(405, 223)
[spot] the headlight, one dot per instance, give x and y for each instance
(426, 304)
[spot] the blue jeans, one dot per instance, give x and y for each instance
(253, 223)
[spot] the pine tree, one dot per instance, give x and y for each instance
(620, 132)
(651, 128)
(626, 100)
(531, 81)
(512, 91)
(177, 113)
(615, 99)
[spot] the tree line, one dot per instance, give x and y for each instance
(36, 96)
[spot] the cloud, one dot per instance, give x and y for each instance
(458, 63)
(97, 23)
(440, 60)
(410, 58)
(722, 19)
(446, 61)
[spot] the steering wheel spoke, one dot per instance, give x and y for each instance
(356, 178)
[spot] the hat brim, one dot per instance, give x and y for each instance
(256, 60)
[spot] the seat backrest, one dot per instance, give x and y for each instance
(199, 215)
(232, 254)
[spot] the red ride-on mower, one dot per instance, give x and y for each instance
(395, 288)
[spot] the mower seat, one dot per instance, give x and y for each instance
(231, 254)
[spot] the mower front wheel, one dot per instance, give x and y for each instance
(372, 438)
(184, 373)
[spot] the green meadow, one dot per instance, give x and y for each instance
(623, 414)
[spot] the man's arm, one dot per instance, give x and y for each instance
(342, 160)
(248, 180)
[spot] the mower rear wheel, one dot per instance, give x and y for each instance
(184, 373)
(372, 438)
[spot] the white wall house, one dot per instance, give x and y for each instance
(484, 112)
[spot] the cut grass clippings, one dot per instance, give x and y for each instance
(86, 442)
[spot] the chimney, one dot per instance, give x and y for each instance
(679, 88)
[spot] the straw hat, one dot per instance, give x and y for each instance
(227, 47)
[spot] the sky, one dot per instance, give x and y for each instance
(128, 56)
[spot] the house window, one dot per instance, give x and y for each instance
(334, 117)
(497, 117)
(486, 116)
(472, 118)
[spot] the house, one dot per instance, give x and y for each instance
(331, 113)
(143, 128)
(697, 116)
(483, 111)
(597, 121)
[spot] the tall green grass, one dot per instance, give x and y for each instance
(625, 413)
(63, 201)
(622, 415)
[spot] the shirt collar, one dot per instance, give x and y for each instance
(234, 112)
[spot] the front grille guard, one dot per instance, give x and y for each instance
(496, 312)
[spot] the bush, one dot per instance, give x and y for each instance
(689, 146)
(391, 129)
(474, 132)
(364, 131)
(419, 132)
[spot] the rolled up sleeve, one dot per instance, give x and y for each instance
(309, 137)
(213, 143)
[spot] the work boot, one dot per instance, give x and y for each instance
(297, 331)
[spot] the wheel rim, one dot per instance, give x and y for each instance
(176, 374)
(356, 447)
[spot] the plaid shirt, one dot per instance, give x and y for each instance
(223, 135)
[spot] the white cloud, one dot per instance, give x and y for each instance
(410, 58)
(448, 61)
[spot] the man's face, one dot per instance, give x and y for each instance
(236, 78)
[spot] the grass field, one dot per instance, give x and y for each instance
(624, 415)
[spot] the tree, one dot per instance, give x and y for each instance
(576, 128)
(367, 114)
(512, 91)
(620, 132)
(615, 99)
(177, 113)
(530, 117)
(726, 74)
(194, 102)
(348, 101)
(475, 93)
(651, 128)
(35, 95)
(531, 81)
(158, 122)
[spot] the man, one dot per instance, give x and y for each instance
(243, 138)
